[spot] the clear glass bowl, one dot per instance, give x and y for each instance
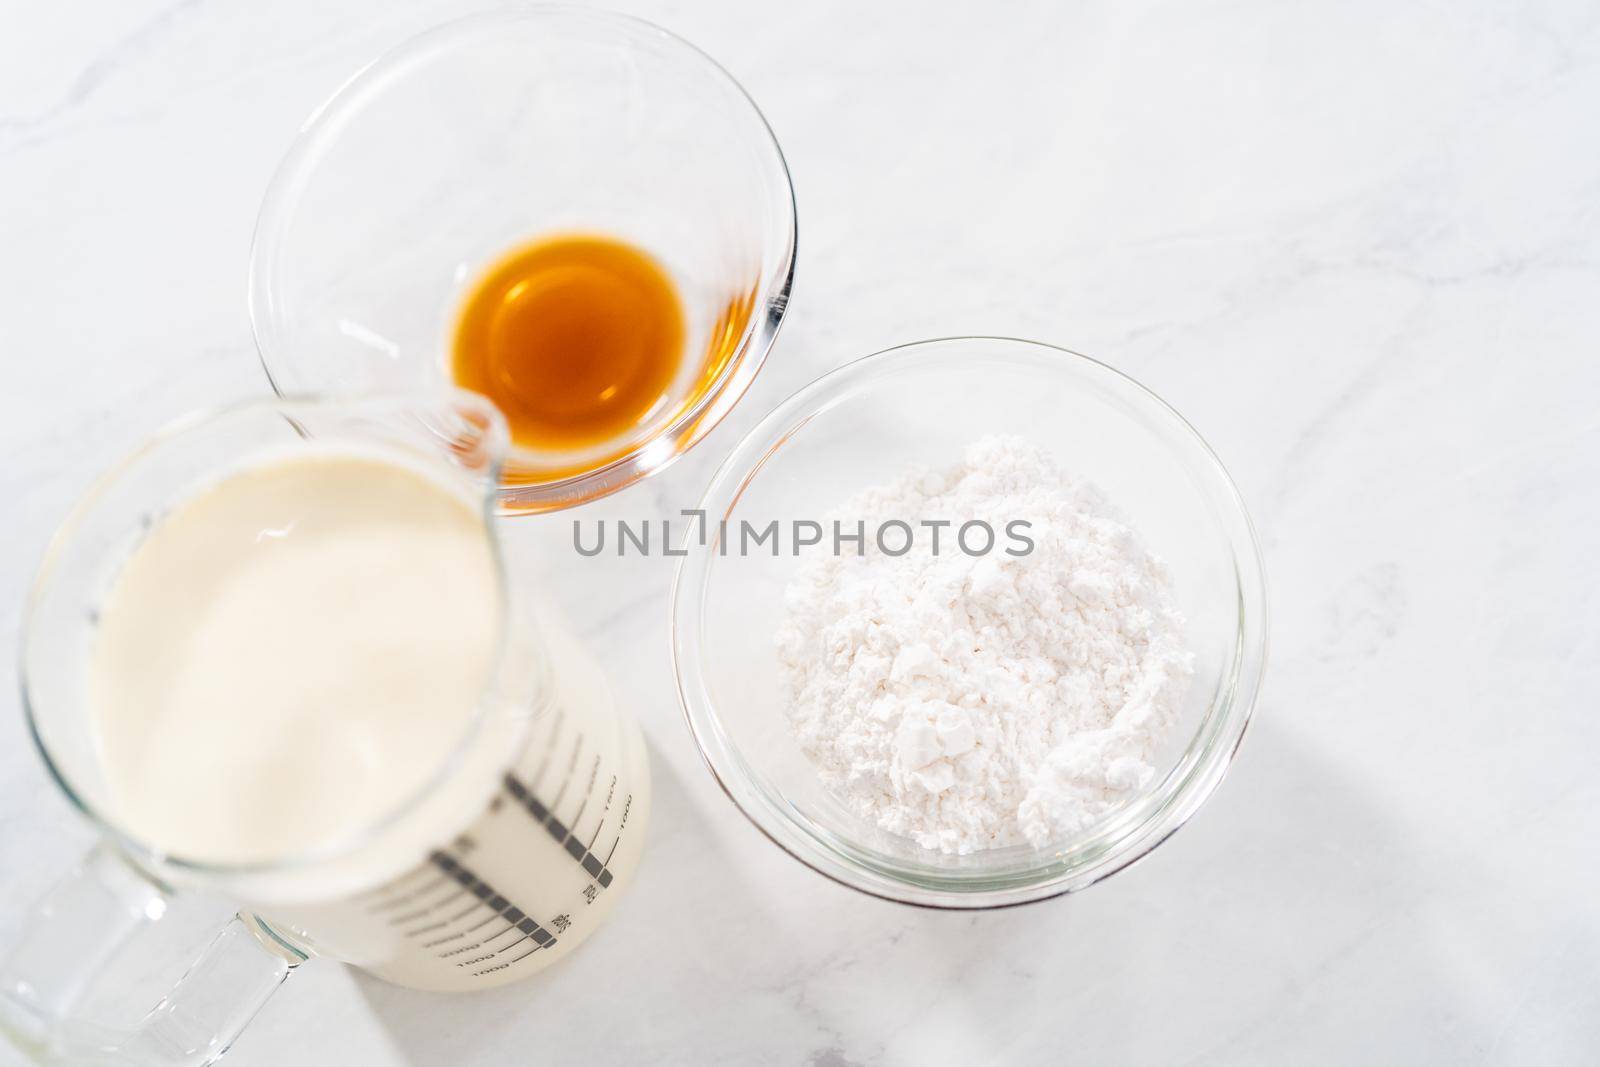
(498, 129)
(863, 425)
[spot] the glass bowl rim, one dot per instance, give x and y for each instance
(1117, 842)
(645, 457)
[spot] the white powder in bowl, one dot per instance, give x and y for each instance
(972, 702)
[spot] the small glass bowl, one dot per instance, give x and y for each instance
(921, 404)
(495, 130)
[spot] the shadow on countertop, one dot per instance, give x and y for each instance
(1293, 886)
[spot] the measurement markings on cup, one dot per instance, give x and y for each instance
(424, 912)
(592, 864)
(516, 920)
(380, 899)
(448, 910)
(550, 746)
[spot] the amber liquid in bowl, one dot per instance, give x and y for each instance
(577, 339)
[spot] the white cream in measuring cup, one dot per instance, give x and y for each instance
(286, 655)
(309, 685)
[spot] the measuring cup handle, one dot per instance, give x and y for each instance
(85, 921)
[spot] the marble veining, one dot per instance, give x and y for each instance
(1357, 245)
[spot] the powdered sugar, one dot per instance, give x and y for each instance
(978, 701)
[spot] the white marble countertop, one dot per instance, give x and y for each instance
(1358, 245)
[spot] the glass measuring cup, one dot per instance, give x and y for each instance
(502, 128)
(508, 856)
